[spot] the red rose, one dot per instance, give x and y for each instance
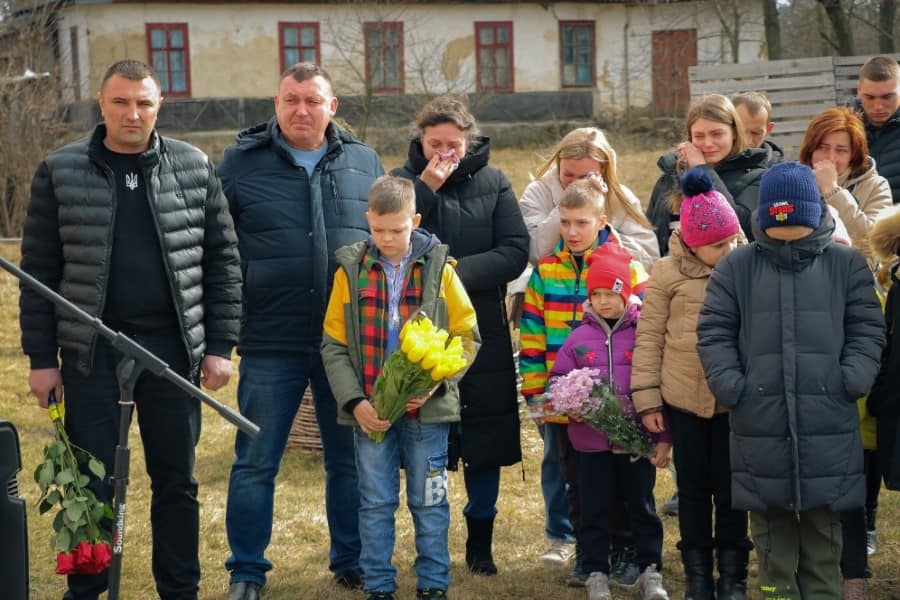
(102, 556)
(65, 563)
(83, 557)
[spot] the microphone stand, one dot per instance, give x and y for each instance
(135, 360)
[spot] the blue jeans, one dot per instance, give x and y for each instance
(553, 484)
(482, 491)
(422, 450)
(270, 389)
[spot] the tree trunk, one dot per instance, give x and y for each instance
(840, 23)
(773, 29)
(886, 16)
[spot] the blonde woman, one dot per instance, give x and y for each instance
(584, 152)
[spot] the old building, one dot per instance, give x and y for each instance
(518, 61)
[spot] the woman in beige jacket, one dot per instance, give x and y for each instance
(835, 148)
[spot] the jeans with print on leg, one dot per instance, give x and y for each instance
(270, 389)
(422, 450)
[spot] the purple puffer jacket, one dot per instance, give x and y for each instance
(593, 345)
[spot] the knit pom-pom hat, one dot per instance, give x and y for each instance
(706, 216)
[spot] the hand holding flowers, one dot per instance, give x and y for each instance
(81, 538)
(414, 371)
(584, 396)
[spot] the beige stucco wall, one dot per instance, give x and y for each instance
(234, 48)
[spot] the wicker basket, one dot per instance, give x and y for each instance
(304, 433)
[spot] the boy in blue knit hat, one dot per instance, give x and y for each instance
(790, 335)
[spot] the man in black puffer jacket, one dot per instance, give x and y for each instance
(298, 189)
(133, 228)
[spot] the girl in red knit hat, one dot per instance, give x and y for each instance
(605, 341)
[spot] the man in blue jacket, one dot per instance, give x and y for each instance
(297, 186)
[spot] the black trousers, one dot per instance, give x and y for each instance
(855, 523)
(621, 534)
(703, 473)
(169, 421)
(599, 474)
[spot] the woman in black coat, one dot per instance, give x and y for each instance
(472, 208)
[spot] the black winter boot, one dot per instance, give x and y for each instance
(732, 583)
(479, 559)
(698, 574)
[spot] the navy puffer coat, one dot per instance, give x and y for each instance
(790, 335)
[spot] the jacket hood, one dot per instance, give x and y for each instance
(885, 235)
(421, 243)
(796, 254)
(746, 159)
(630, 316)
(477, 156)
(688, 263)
(667, 162)
(850, 179)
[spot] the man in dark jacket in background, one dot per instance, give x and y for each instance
(790, 335)
(298, 190)
(133, 227)
(878, 92)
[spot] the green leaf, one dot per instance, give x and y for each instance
(96, 467)
(64, 477)
(54, 497)
(46, 506)
(75, 511)
(83, 480)
(47, 472)
(59, 521)
(62, 541)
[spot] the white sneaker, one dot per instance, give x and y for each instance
(558, 554)
(651, 585)
(597, 585)
(871, 543)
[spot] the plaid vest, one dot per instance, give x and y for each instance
(372, 288)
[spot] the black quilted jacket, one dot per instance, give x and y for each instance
(67, 236)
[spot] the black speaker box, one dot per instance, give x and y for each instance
(13, 530)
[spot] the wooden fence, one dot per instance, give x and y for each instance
(798, 89)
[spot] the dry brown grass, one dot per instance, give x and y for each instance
(299, 541)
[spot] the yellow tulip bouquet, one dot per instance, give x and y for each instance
(424, 359)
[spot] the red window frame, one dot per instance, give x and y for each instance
(165, 75)
(382, 27)
(562, 54)
(283, 26)
(481, 70)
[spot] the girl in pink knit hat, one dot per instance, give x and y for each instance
(667, 377)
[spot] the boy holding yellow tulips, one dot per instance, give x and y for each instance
(380, 284)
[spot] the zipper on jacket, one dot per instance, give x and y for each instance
(111, 180)
(179, 310)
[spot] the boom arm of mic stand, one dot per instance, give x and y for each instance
(129, 347)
